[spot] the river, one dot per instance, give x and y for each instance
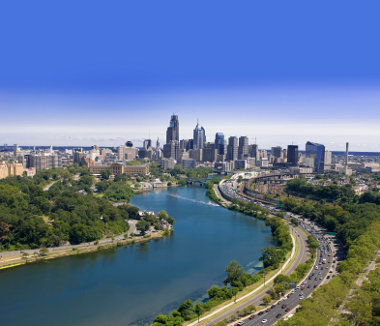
(131, 285)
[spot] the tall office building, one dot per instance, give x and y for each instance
(232, 148)
(219, 143)
(254, 151)
(292, 155)
(328, 160)
(317, 152)
(210, 153)
(172, 133)
(172, 150)
(243, 148)
(147, 143)
(276, 151)
(186, 144)
(199, 137)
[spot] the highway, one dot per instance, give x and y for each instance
(321, 272)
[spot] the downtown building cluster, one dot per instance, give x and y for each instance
(227, 154)
(224, 154)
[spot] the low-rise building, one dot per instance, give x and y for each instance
(117, 168)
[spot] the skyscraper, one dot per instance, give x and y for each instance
(292, 155)
(147, 143)
(171, 150)
(199, 137)
(253, 150)
(219, 143)
(316, 151)
(232, 148)
(243, 147)
(172, 133)
(276, 151)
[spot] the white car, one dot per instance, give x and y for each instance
(264, 321)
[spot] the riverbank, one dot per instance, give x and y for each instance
(13, 259)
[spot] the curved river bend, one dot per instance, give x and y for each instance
(131, 285)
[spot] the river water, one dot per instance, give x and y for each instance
(131, 285)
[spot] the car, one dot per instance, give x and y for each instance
(316, 267)
(308, 286)
(278, 315)
(264, 321)
(328, 276)
(251, 317)
(301, 293)
(320, 278)
(331, 271)
(240, 323)
(267, 310)
(300, 298)
(315, 285)
(312, 274)
(283, 306)
(273, 307)
(261, 312)
(287, 309)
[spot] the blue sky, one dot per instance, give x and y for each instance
(86, 72)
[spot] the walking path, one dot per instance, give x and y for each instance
(19, 257)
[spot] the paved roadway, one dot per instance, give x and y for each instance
(321, 273)
(257, 299)
(291, 301)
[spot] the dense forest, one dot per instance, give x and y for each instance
(59, 206)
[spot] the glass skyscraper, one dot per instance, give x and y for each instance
(199, 137)
(172, 133)
(219, 143)
(292, 155)
(317, 151)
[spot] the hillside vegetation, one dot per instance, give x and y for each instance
(67, 212)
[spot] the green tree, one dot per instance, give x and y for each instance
(266, 300)
(186, 310)
(198, 310)
(105, 175)
(234, 292)
(234, 274)
(142, 226)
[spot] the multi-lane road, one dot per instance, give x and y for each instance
(325, 268)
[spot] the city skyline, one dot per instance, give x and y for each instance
(88, 83)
